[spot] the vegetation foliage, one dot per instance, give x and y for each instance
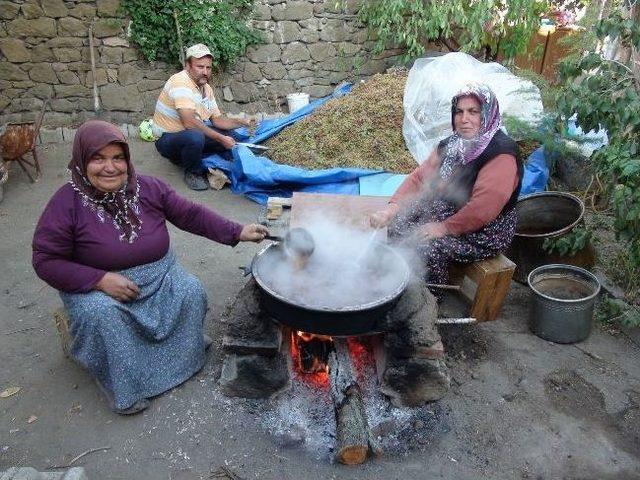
(488, 26)
(605, 93)
(220, 25)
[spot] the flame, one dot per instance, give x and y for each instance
(318, 373)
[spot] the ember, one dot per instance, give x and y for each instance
(311, 351)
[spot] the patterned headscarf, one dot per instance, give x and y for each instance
(122, 205)
(463, 151)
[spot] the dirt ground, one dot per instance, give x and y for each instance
(519, 406)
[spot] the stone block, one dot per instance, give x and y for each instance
(68, 134)
(309, 36)
(54, 8)
(30, 10)
(334, 31)
(8, 10)
(56, 119)
(116, 97)
(67, 55)
(253, 376)
(286, 32)
(41, 91)
(83, 11)
(66, 91)
(274, 71)
(108, 8)
(150, 85)
(42, 53)
(110, 55)
(101, 77)
(107, 27)
(262, 13)
(293, 10)
(295, 52)
(68, 78)
(9, 71)
(73, 105)
(133, 131)
(51, 135)
(319, 91)
(322, 51)
(72, 27)
(115, 42)
(4, 103)
(348, 49)
(38, 27)
(280, 88)
(227, 94)
(264, 53)
(410, 382)
(130, 73)
(268, 345)
(130, 55)
(74, 42)
(44, 73)
(251, 73)
(301, 73)
(14, 50)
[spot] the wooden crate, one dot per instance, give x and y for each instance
(485, 284)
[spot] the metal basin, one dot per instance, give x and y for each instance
(563, 301)
(541, 216)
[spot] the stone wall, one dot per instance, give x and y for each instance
(310, 46)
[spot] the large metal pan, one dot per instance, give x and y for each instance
(355, 319)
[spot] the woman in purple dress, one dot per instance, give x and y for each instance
(136, 316)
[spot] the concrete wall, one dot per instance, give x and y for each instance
(311, 46)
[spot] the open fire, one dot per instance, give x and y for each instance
(311, 353)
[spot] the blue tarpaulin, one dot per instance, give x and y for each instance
(258, 178)
(536, 173)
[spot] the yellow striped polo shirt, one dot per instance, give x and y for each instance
(181, 91)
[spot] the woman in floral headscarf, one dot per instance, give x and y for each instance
(136, 316)
(459, 205)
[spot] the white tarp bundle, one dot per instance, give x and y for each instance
(434, 81)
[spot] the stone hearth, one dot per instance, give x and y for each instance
(409, 354)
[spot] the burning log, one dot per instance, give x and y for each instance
(354, 439)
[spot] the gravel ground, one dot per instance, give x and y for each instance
(519, 406)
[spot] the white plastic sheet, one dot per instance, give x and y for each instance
(434, 81)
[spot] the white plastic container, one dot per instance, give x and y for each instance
(297, 100)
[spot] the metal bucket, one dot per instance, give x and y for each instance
(541, 216)
(563, 300)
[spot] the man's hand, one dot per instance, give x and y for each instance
(382, 218)
(118, 287)
(227, 142)
(253, 232)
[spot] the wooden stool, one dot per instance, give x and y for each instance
(62, 325)
(485, 284)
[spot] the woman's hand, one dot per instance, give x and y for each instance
(253, 232)
(382, 218)
(118, 286)
(433, 230)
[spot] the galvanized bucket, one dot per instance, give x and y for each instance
(563, 301)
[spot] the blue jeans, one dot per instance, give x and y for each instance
(186, 148)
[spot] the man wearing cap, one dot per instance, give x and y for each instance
(184, 105)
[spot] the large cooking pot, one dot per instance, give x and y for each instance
(542, 216)
(325, 299)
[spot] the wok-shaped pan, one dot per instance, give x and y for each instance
(347, 319)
